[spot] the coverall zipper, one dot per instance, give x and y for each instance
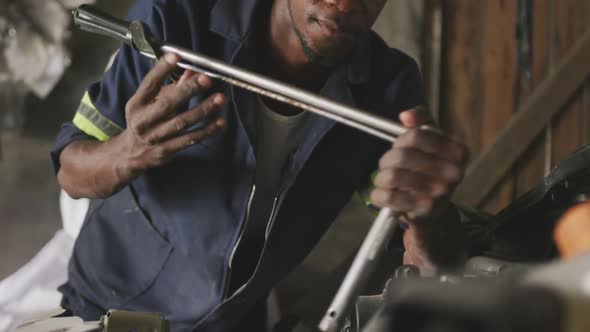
(242, 229)
(267, 231)
(270, 219)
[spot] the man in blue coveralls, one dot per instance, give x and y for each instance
(205, 195)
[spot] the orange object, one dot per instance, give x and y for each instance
(572, 233)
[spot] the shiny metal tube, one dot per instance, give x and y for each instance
(339, 117)
(360, 271)
(372, 124)
(363, 265)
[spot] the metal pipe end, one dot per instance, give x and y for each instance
(330, 322)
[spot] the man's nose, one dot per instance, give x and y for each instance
(345, 6)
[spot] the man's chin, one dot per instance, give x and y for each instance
(330, 56)
(323, 60)
(325, 52)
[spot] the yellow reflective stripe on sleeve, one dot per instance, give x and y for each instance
(86, 100)
(89, 128)
(89, 120)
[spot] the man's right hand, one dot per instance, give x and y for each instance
(154, 134)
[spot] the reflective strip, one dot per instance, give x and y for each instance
(89, 128)
(87, 101)
(89, 120)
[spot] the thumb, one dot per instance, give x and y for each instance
(415, 117)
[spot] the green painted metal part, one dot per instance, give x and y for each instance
(127, 321)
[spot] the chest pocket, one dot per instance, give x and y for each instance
(118, 253)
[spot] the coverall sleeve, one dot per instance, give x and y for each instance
(101, 114)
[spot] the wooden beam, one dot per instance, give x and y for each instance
(586, 117)
(570, 17)
(432, 56)
(489, 168)
(530, 168)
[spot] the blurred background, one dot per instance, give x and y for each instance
(507, 77)
(29, 120)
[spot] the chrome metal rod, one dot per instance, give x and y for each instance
(361, 269)
(372, 124)
(363, 265)
(296, 103)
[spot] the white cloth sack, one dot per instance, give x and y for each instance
(32, 290)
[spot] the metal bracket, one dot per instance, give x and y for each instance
(144, 41)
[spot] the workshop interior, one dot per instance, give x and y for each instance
(508, 79)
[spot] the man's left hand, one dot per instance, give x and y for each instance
(421, 169)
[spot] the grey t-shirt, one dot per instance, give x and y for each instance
(277, 137)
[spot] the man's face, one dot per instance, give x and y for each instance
(329, 29)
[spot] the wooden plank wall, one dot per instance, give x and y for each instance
(482, 86)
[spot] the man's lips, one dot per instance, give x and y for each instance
(331, 28)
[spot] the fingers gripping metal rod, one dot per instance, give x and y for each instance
(363, 266)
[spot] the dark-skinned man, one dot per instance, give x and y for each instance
(205, 195)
